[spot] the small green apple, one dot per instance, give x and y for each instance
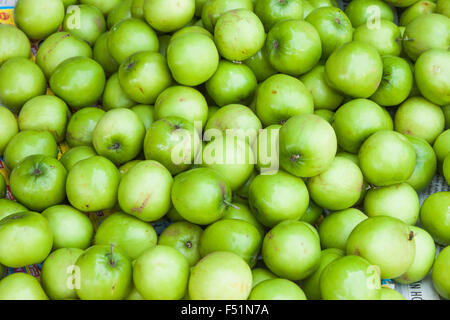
(8, 126)
(386, 37)
(102, 56)
(241, 211)
(75, 155)
(13, 43)
(168, 15)
(443, 7)
(8, 207)
(325, 114)
(113, 95)
(190, 29)
(260, 65)
(417, 9)
(81, 126)
(312, 213)
(21, 286)
(145, 113)
(85, 22)
(387, 293)
(434, 217)
(440, 276)
(119, 13)
(127, 166)
(213, 9)
(323, 3)
(426, 164)
(441, 147)
(260, 275)
(104, 6)
(277, 289)
(361, 11)
(272, 11)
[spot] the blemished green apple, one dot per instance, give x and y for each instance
(145, 113)
(446, 168)
(168, 15)
(396, 82)
(190, 29)
(441, 147)
(394, 250)
(434, 217)
(335, 229)
(144, 191)
(20, 80)
(277, 289)
(311, 285)
(21, 286)
(161, 267)
(260, 65)
(239, 34)
(92, 184)
(443, 7)
(129, 234)
(173, 142)
(127, 166)
(432, 70)
(184, 102)
(144, 75)
(213, 9)
(8, 126)
(184, 237)
(220, 276)
(339, 187)
(113, 95)
(440, 276)
(387, 158)
(278, 196)
(45, 113)
(8, 207)
(417, 9)
(105, 273)
(13, 43)
(387, 293)
(429, 31)
(85, 22)
(241, 211)
(386, 37)
(308, 145)
(350, 278)
(2, 186)
(291, 250)
(70, 227)
(100, 53)
(57, 274)
(312, 213)
(26, 238)
(333, 26)
(355, 69)
(272, 11)
(192, 58)
(129, 37)
(200, 195)
(104, 6)
(120, 12)
(27, 143)
(39, 18)
(75, 155)
(232, 235)
(79, 81)
(426, 164)
(59, 47)
(119, 135)
(359, 12)
(266, 149)
(420, 118)
(293, 46)
(423, 259)
(261, 274)
(280, 97)
(81, 126)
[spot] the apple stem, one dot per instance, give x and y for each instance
(231, 205)
(111, 259)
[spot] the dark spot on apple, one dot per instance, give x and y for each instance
(176, 127)
(357, 253)
(36, 172)
(274, 91)
(115, 146)
(131, 65)
(182, 99)
(276, 44)
(337, 21)
(141, 90)
(270, 235)
(411, 235)
(189, 244)
(295, 157)
(283, 121)
(142, 206)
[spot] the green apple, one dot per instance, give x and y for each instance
(168, 15)
(74, 155)
(386, 37)
(420, 118)
(333, 26)
(105, 273)
(144, 75)
(441, 147)
(434, 217)
(394, 250)
(311, 285)
(85, 22)
(443, 7)
(312, 213)
(308, 145)
(232, 235)
(113, 96)
(26, 238)
(59, 47)
(121, 44)
(57, 273)
(102, 56)
(323, 3)
(355, 69)
(432, 75)
(307, 8)
(2, 187)
(13, 43)
(8, 126)
(339, 187)
(291, 250)
(200, 195)
(119, 13)
(184, 102)
(260, 275)
(396, 82)
(144, 191)
(446, 168)
(426, 164)
(220, 276)
(145, 113)
(387, 158)
(8, 207)
(21, 286)
(134, 295)
(104, 6)
(241, 211)
(192, 58)
(440, 276)
(45, 113)
(260, 65)
(429, 31)
(137, 9)
(272, 11)
(190, 29)
(81, 126)
(325, 114)
(70, 227)
(361, 11)
(27, 143)
(92, 184)
(239, 34)
(79, 81)
(387, 293)
(417, 9)
(173, 142)
(119, 135)
(277, 289)
(293, 46)
(335, 229)
(39, 18)
(213, 9)
(20, 80)
(350, 278)
(127, 166)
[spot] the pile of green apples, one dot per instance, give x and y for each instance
(340, 119)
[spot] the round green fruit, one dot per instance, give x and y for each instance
(168, 15)
(213, 9)
(145, 113)
(81, 126)
(260, 65)
(426, 164)
(272, 11)
(441, 147)
(8, 207)
(277, 289)
(119, 13)
(361, 11)
(21, 286)
(85, 22)
(241, 211)
(386, 37)
(434, 217)
(417, 9)
(113, 95)
(440, 276)
(13, 43)
(8, 126)
(102, 55)
(387, 293)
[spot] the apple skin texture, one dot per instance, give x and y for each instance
(13, 43)
(390, 294)
(168, 15)
(417, 9)
(270, 12)
(8, 126)
(442, 147)
(358, 11)
(81, 126)
(242, 211)
(386, 37)
(75, 155)
(8, 207)
(21, 286)
(120, 12)
(114, 96)
(277, 289)
(101, 54)
(434, 217)
(104, 6)
(426, 164)
(440, 276)
(91, 23)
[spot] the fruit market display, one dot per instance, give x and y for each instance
(224, 149)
